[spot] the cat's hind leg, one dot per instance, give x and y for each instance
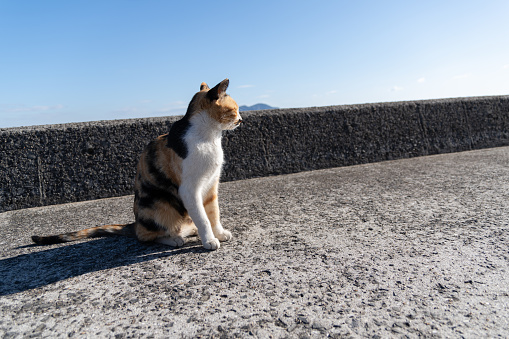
(187, 229)
(177, 241)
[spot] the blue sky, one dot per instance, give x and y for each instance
(71, 61)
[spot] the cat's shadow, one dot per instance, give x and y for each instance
(50, 265)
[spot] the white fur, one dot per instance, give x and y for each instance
(200, 170)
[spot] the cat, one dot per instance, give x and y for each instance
(176, 184)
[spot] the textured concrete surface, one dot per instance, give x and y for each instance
(406, 248)
(53, 164)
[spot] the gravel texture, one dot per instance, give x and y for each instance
(406, 248)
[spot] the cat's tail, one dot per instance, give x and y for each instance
(93, 232)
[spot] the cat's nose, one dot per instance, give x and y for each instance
(239, 121)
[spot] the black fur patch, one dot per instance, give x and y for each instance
(152, 194)
(213, 94)
(218, 90)
(54, 239)
(145, 202)
(160, 177)
(150, 225)
(175, 139)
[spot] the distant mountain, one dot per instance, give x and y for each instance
(255, 107)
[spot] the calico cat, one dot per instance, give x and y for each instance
(175, 190)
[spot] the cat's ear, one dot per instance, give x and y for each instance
(218, 90)
(204, 86)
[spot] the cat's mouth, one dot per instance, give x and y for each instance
(234, 124)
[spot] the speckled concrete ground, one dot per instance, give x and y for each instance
(416, 247)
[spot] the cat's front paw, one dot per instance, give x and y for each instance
(225, 236)
(212, 244)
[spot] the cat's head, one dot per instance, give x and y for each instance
(217, 104)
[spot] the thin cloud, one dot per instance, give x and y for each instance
(331, 92)
(139, 112)
(169, 111)
(396, 89)
(128, 110)
(462, 76)
(36, 108)
(142, 109)
(421, 80)
(176, 106)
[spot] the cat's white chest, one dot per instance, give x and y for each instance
(204, 159)
(206, 155)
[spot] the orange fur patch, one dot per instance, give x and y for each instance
(145, 235)
(164, 215)
(169, 162)
(211, 205)
(223, 110)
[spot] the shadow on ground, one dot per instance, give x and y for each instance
(32, 270)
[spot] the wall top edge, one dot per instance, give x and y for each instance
(134, 121)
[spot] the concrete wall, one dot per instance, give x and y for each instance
(54, 164)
